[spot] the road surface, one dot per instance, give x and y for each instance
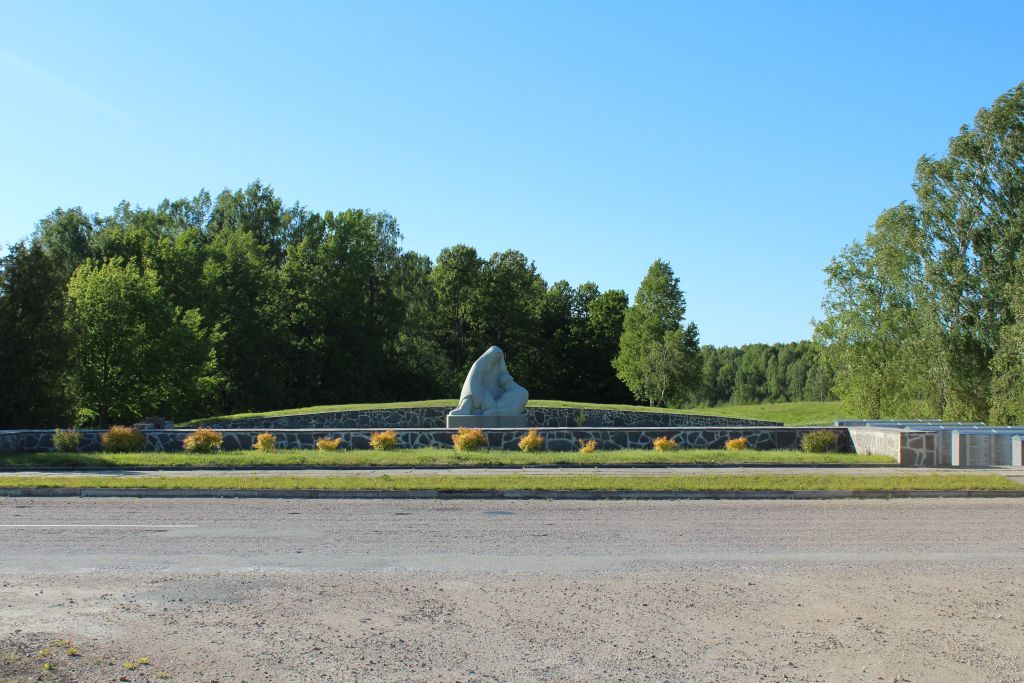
(296, 590)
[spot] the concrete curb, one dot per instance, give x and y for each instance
(519, 494)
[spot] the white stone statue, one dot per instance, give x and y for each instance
(490, 397)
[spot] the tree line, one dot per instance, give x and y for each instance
(763, 373)
(925, 316)
(240, 302)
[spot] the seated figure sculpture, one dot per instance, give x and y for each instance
(490, 397)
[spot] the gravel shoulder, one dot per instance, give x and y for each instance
(489, 590)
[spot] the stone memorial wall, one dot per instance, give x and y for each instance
(434, 418)
(556, 438)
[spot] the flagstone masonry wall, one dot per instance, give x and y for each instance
(434, 418)
(556, 438)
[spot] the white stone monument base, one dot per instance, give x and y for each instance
(487, 421)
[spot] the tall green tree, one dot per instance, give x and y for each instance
(66, 235)
(456, 278)
(580, 329)
(417, 351)
(258, 210)
(342, 312)
(972, 212)
(917, 315)
(133, 352)
(506, 312)
(659, 358)
(606, 314)
(1008, 365)
(245, 304)
(879, 332)
(33, 344)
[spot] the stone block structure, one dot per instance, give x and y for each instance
(991, 447)
(914, 443)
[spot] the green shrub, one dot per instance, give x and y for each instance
(384, 441)
(203, 440)
(265, 442)
(819, 442)
(123, 439)
(469, 439)
(66, 440)
(533, 441)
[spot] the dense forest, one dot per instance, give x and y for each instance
(762, 373)
(240, 302)
(925, 316)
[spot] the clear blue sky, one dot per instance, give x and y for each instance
(743, 142)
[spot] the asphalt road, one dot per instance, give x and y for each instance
(524, 590)
(72, 534)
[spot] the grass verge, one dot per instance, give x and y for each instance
(527, 482)
(794, 413)
(439, 457)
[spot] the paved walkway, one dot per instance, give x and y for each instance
(1015, 473)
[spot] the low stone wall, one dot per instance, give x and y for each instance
(920, 449)
(994, 448)
(571, 417)
(932, 445)
(385, 418)
(873, 441)
(556, 439)
(910, 448)
(434, 418)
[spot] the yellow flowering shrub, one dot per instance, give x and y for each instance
(122, 439)
(384, 441)
(533, 441)
(740, 444)
(588, 446)
(326, 444)
(469, 439)
(203, 440)
(663, 443)
(265, 442)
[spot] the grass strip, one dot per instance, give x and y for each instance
(434, 457)
(725, 482)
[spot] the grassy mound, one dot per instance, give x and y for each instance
(795, 413)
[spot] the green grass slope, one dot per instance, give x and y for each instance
(795, 413)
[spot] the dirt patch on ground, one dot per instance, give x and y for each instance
(714, 622)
